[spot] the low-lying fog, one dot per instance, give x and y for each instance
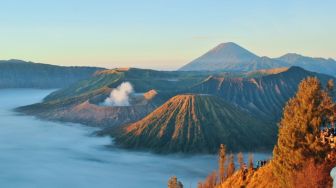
(42, 154)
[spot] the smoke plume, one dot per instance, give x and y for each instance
(120, 95)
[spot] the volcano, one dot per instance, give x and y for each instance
(230, 57)
(192, 123)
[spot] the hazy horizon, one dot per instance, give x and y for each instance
(159, 34)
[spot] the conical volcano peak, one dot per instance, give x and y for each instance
(231, 49)
(195, 123)
(227, 45)
(230, 56)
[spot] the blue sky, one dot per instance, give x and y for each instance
(161, 34)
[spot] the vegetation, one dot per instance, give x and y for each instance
(300, 159)
(250, 161)
(231, 167)
(210, 181)
(174, 183)
(298, 142)
(240, 160)
(221, 163)
(217, 178)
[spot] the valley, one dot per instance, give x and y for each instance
(167, 94)
(39, 153)
(124, 116)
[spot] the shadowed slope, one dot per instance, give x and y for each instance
(197, 124)
(263, 96)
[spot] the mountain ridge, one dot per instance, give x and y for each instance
(263, 96)
(232, 57)
(25, 74)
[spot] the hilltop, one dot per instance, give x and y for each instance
(22, 74)
(197, 124)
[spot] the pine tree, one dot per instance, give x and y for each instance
(250, 161)
(298, 130)
(231, 167)
(221, 161)
(210, 181)
(174, 183)
(330, 86)
(330, 90)
(240, 160)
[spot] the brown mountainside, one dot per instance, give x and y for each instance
(197, 123)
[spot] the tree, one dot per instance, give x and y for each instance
(250, 161)
(330, 86)
(174, 183)
(231, 167)
(314, 175)
(210, 181)
(240, 160)
(221, 161)
(330, 90)
(298, 130)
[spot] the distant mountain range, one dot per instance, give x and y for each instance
(22, 74)
(197, 124)
(245, 99)
(232, 57)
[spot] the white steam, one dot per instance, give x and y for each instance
(120, 95)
